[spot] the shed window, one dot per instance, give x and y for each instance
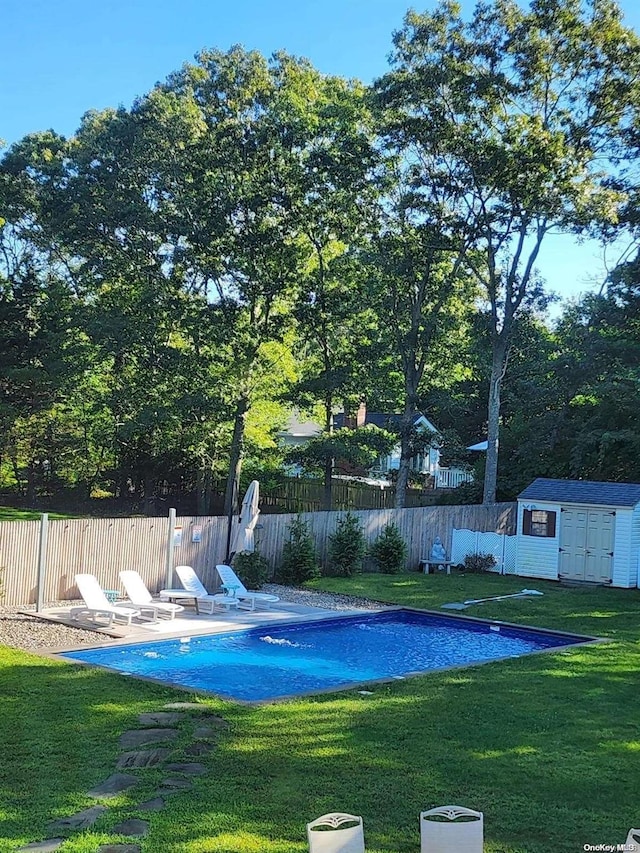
(538, 522)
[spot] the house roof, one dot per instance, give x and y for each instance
(582, 492)
(383, 420)
(303, 429)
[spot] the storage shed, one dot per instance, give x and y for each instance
(579, 530)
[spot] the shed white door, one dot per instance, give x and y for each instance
(586, 543)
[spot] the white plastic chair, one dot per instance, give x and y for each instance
(194, 586)
(461, 830)
(633, 840)
(140, 597)
(248, 599)
(97, 603)
(326, 834)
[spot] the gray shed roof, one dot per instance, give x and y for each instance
(582, 492)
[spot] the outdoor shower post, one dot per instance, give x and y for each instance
(42, 560)
(169, 561)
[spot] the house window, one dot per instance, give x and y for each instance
(539, 522)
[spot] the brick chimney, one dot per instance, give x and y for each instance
(361, 414)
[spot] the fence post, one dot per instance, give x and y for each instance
(170, 546)
(42, 560)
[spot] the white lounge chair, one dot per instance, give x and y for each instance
(195, 588)
(97, 603)
(451, 829)
(248, 599)
(633, 840)
(327, 834)
(140, 597)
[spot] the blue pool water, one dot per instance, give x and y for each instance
(274, 661)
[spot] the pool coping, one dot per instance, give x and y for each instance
(583, 640)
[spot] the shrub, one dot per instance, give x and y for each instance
(252, 568)
(389, 551)
(346, 547)
(298, 562)
(475, 563)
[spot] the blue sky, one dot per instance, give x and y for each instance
(62, 59)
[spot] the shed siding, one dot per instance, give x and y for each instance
(621, 570)
(537, 556)
(634, 565)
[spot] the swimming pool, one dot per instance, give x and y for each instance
(274, 661)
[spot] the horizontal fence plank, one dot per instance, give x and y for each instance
(106, 546)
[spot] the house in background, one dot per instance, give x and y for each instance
(426, 464)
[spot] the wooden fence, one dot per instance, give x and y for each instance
(305, 495)
(106, 546)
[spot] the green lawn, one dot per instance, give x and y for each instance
(10, 513)
(546, 746)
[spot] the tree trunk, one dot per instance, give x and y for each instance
(493, 426)
(31, 484)
(406, 452)
(235, 457)
(327, 495)
(201, 495)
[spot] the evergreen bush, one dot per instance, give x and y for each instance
(298, 562)
(389, 551)
(346, 547)
(252, 568)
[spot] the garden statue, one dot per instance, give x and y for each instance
(438, 554)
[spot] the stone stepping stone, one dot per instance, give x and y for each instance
(161, 718)
(195, 750)
(119, 848)
(141, 737)
(204, 732)
(133, 826)
(142, 758)
(185, 706)
(189, 768)
(153, 805)
(116, 783)
(215, 721)
(80, 820)
(47, 846)
(173, 785)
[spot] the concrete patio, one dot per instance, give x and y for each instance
(188, 623)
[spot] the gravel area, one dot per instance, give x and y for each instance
(328, 600)
(29, 633)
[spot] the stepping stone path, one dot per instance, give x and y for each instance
(44, 846)
(157, 729)
(142, 758)
(81, 820)
(142, 737)
(153, 805)
(114, 785)
(133, 826)
(161, 718)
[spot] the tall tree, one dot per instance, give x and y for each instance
(418, 283)
(510, 119)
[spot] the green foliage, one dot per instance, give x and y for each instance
(389, 550)
(477, 563)
(347, 547)
(252, 568)
(299, 562)
(359, 447)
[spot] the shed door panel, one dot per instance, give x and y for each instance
(573, 543)
(586, 544)
(599, 551)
